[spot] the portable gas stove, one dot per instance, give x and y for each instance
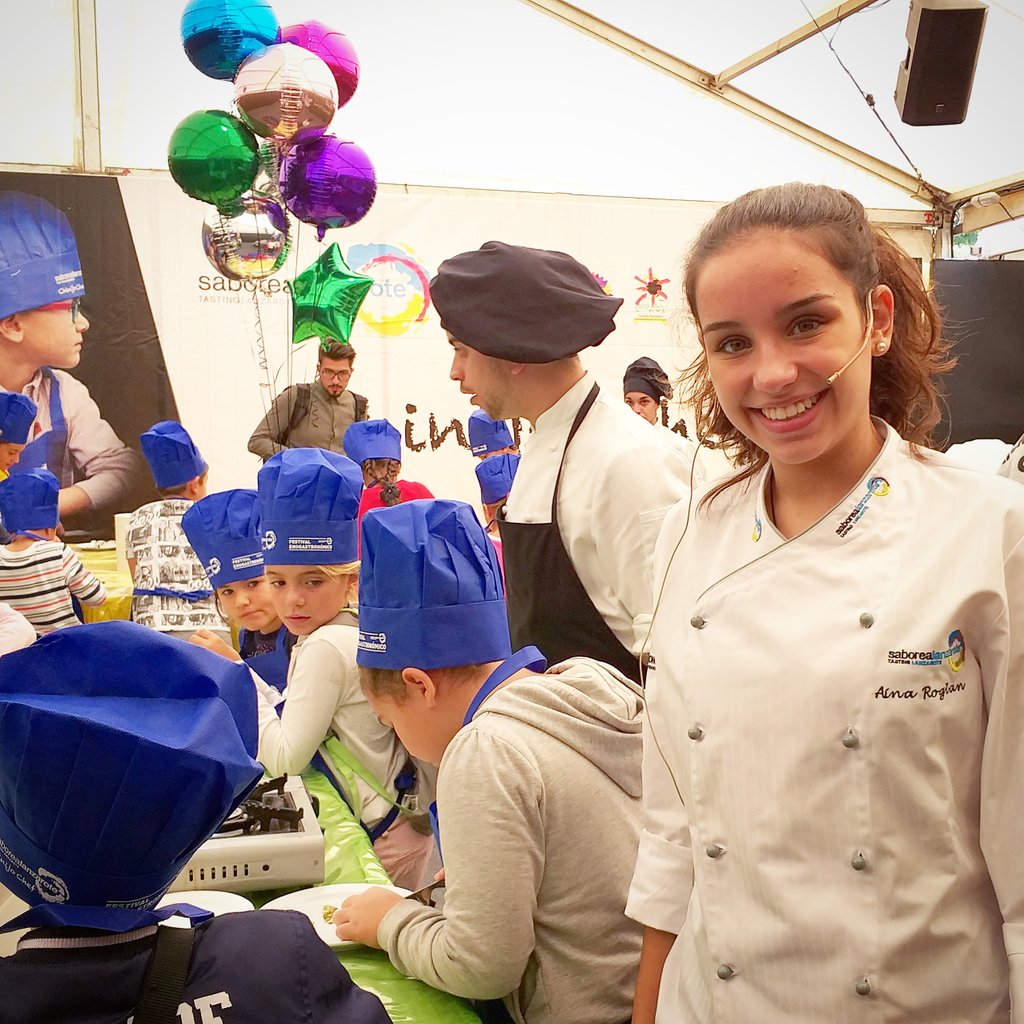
(272, 840)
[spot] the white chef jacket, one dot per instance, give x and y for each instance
(842, 713)
(621, 476)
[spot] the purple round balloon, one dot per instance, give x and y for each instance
(333, 48)
(328, 183)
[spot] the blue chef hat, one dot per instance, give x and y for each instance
(495, 476)
(487, 435)
(111, 777)
(39, 261)
(17, 414)
(222, 533)
(372, 439)
(172, 455)
(28, 501)
(430, 590)
(308, 505)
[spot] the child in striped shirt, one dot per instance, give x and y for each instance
(39, 575)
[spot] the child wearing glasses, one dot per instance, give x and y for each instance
(313, 415)
(41, 335)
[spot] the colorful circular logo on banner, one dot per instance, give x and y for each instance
(400, 296)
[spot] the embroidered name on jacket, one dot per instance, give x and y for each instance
(877, 485)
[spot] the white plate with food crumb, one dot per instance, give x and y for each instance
(320, 902)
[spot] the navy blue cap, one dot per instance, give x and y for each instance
(222, 532)
(17, 414)
(430, 589)
(28, 500)
(110, 776)
(172, 455)
(39, 261)
(308, 506)
(487, 435)
(372, 439)
(495, 476)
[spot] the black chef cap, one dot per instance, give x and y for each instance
(647, 376)
(523, 305)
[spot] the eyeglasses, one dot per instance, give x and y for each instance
(339, 375)
(75, 305)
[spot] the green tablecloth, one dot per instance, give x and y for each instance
(349, 857)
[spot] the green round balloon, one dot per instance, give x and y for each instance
(213, 157)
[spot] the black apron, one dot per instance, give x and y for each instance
(547, 604)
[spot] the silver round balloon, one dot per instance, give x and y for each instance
(249, 242)
(285, 92)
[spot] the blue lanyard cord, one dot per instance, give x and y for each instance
(184, 595)
(527, 657)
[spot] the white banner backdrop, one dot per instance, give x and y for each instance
(227, 345)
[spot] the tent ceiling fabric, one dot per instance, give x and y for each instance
(496, 94)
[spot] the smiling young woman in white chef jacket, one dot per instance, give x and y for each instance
(834, 758)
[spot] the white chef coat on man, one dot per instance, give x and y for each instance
(577, 562)
(840, 838)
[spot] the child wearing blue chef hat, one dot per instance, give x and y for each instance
(171, 593)
(110, 778)
(308, 502)
(495, 475)
(376, 447)
(16, 416)
(41, 337)
(39, 574)
(538, 792)
(222, 531)
(489, 437)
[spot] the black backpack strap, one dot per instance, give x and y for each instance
(299, 409)
(361, 405)
(164, 983)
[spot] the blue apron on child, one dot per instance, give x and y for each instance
(47, 450)
(270, 666)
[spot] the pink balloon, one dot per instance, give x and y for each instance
(333, 48)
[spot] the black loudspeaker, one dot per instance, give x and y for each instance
(933, 85)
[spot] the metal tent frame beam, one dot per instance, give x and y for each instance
(794, 38)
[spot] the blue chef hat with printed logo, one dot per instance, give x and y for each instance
(172, 455)
(430, 590)
(487, 435)
(222, 532)
(17, 414)
(372, 439)
(28, 501)
(111, 777)
(39, 261)
(307, 507)
(495, 476)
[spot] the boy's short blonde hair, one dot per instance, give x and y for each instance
(334, 571)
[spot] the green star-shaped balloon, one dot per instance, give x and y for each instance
(326, 298)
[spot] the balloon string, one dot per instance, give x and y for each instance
(262, 361)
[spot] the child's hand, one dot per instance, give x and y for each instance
(212, 642)
(359, 917)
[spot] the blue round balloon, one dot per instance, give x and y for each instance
(219, 34)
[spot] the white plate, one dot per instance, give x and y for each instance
(311, 902)
(209, 899)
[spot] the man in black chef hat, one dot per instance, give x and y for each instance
(579, 525)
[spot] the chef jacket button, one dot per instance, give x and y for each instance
(850, 739)
(725, 972)
(697, 621)
(715, 850)
(867, 620)
(863, 987)
(858, 861)
(696, 731)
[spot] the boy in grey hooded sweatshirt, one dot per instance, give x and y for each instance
(538, 791)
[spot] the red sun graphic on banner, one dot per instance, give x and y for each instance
(651, 287)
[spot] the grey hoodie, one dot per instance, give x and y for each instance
(539, 808)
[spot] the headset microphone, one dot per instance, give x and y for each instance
(842, 369)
